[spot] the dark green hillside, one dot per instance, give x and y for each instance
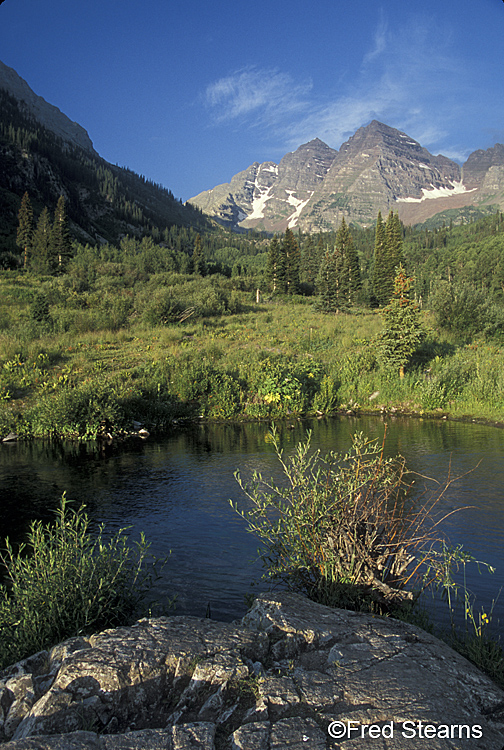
(103, 201)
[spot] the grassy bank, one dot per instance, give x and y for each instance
(79, 363)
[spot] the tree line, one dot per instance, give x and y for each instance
(46, 246)
(331, 267)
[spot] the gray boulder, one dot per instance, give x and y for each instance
(291, 674)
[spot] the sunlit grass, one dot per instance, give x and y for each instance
(447, 378)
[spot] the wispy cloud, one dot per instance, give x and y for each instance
(409, 78)
(268, 95)
(380, 42)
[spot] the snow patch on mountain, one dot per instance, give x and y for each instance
(261, 197)
(270, 168)
(298, 205)
(438, 192)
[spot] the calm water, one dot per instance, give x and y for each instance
(177, 491)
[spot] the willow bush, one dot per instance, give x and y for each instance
(341, 529)
(66, 582)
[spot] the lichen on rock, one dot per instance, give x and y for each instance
(277, 679)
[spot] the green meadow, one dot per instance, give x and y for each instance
(80, 364)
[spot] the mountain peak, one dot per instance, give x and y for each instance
(315, 145)
(315, 142)
(377, 169)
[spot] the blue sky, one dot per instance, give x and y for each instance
(189, 93)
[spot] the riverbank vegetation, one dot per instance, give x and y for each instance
(95, 339)
(345, 531)
(67, 581)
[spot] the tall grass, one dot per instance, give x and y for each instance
(141, 339)
(65, 581)
(473, 633)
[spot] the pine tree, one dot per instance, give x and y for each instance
(198, 258)
(403, 331)
(350, 282)
(24, 236)
(41, 242)
(388, 257)
(60, 246)
(380, 274)
(393, 233)
(310, 262)
(275, 266)
(331, 282)
(292, 254)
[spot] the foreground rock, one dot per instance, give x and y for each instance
(292, 674)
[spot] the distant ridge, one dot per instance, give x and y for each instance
(378, 169)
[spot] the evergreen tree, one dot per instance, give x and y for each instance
(41, 242)
(393, 233)
(60, 246)
(350, 282)
(24, 236)
(403, 331)
(198, 258)
(310, 262)
(39, 308)
(331, 282)
(339, 278)
(292, 255)
(380, 275)
(388, 257)
(275, 266)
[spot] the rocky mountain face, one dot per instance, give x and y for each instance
(379, 168)
(47, 114)
(269, 195)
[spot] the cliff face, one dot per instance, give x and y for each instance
(379, 168)
(267, 195)
(47, 114)
(45, 154)
(375, 170)
(292, 674)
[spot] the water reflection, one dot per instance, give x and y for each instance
(177, 492)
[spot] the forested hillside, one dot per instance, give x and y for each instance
(103, 202)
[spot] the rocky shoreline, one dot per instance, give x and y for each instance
(291, 674)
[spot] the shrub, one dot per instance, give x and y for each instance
(39, 308)
(326, 399)
(458, 307)
(340, 529)
(279, 386)
(210, 300)
(160, 308)
(84, 411)
(64, 583)
(445, 381)
(216, 393)
(115, 311)
(353, 367)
